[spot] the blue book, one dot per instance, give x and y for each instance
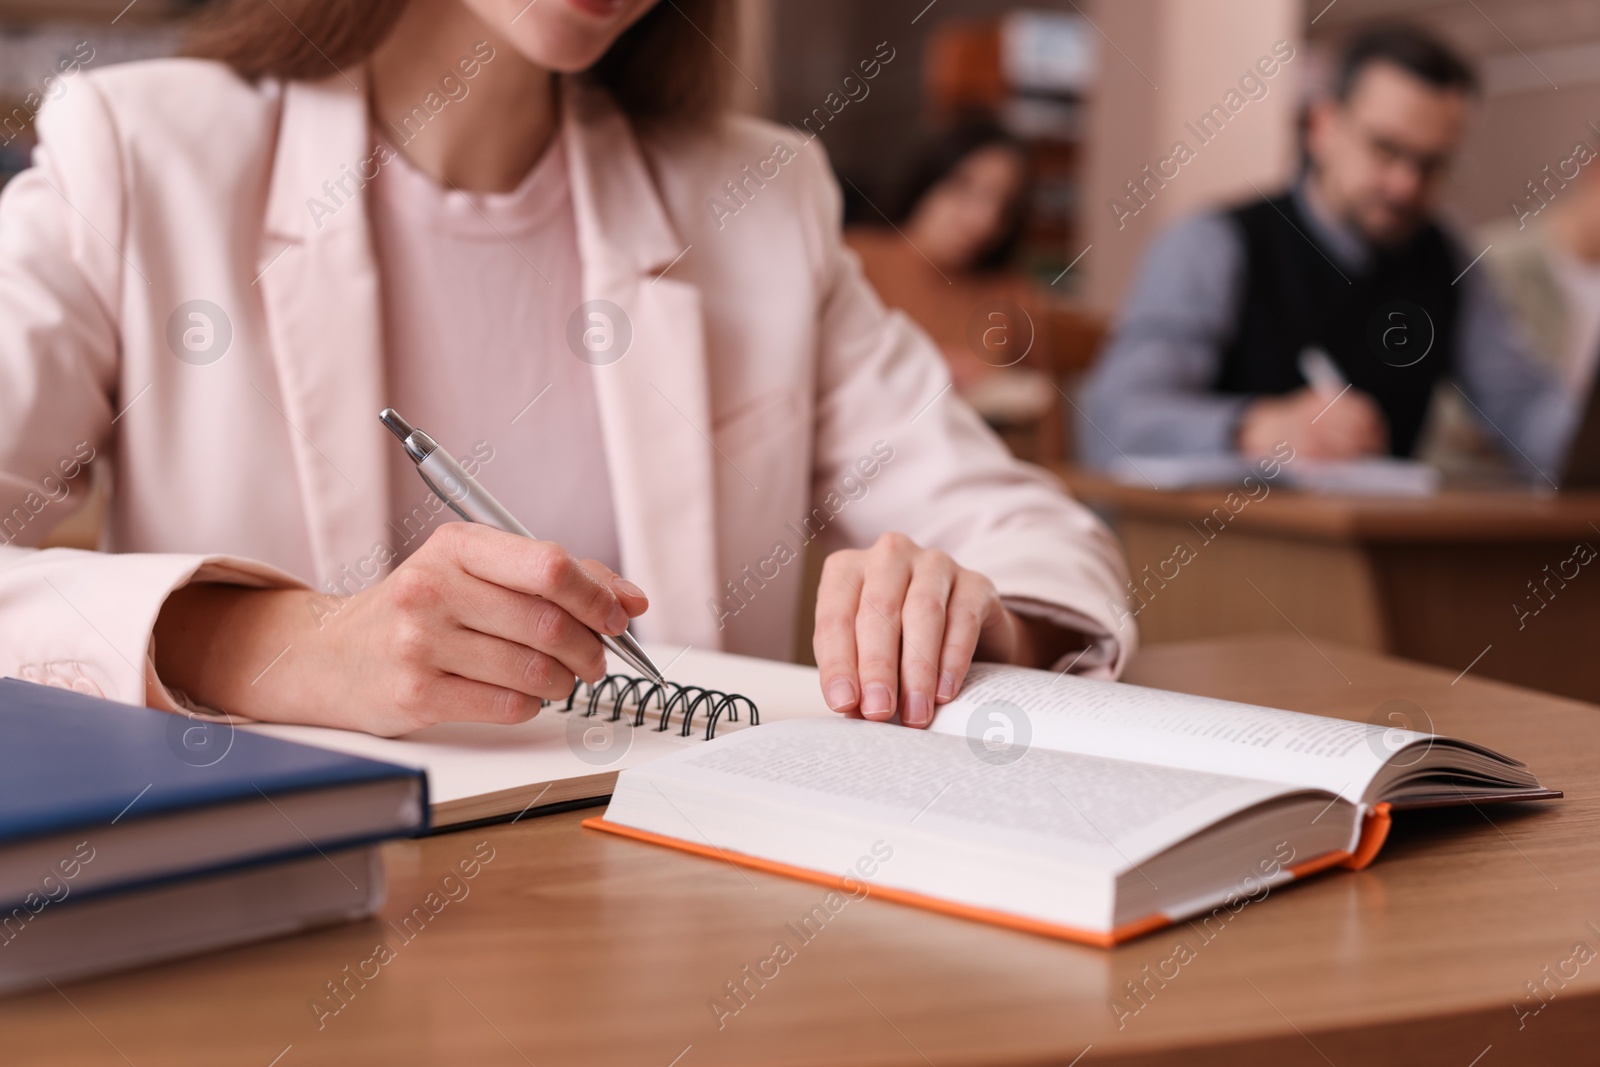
(98, 797)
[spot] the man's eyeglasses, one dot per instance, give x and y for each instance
(1428, 165)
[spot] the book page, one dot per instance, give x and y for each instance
(1086, 809)
(1017, 706)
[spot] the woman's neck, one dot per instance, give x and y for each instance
(490, 128)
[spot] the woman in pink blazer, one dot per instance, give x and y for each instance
(220, 269)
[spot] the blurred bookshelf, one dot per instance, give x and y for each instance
(43, 45)
(1030, 70)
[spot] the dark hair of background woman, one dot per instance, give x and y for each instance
(664, 69)
(940, 158)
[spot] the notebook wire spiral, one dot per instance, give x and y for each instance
(628, 692)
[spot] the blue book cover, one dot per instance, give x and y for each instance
(71, 763)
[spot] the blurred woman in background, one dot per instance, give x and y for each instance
(946, 263)
(1549, 267)
(966, 202)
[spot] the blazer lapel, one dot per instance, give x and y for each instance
(319, 284)
(654, 402)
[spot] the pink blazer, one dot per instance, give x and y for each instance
(764, 387)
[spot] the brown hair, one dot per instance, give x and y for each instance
(663, 69)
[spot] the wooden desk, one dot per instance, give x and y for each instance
(1430, 579)
(575, 947)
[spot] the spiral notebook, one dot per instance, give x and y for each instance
(569, 755)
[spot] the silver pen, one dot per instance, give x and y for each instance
(472, 502)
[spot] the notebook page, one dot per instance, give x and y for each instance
(468, 760)
(1021, 706)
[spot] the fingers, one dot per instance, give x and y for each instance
(450, 698)
(503, 664)
(632, 598)
(1345, 429)
(528, 621)
(834, 639)
(1373, 435)
(540, 568)
(883, 593)
(1319, 425)
(897, 627)
(1267, 420)
(1324, 423)
(923, 618)
(1351, 425)
(431, 602)
(970, 604)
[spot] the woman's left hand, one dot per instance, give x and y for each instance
(898, 627)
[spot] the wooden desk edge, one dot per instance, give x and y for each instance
(1454, 515)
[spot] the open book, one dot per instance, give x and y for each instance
(1088, 810)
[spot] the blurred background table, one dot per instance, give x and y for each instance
(1441, 579)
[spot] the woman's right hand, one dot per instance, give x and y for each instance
(477, 625)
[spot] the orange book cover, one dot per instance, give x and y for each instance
(1374, 830)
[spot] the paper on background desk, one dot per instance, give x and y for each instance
(1379, 476)
(482, 770)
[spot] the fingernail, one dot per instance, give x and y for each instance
(616, 620)
(919, 710)
(841, 694)
(627, 588)
(878, 703)
(947, 686)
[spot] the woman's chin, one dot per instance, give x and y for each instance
(600, 9)
(564, 49)
(569, 36)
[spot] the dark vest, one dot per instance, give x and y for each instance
(1376, 325)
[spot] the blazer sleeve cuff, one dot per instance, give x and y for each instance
(85, 620)
(1103, 654)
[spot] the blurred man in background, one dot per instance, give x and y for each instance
(1326, 316)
